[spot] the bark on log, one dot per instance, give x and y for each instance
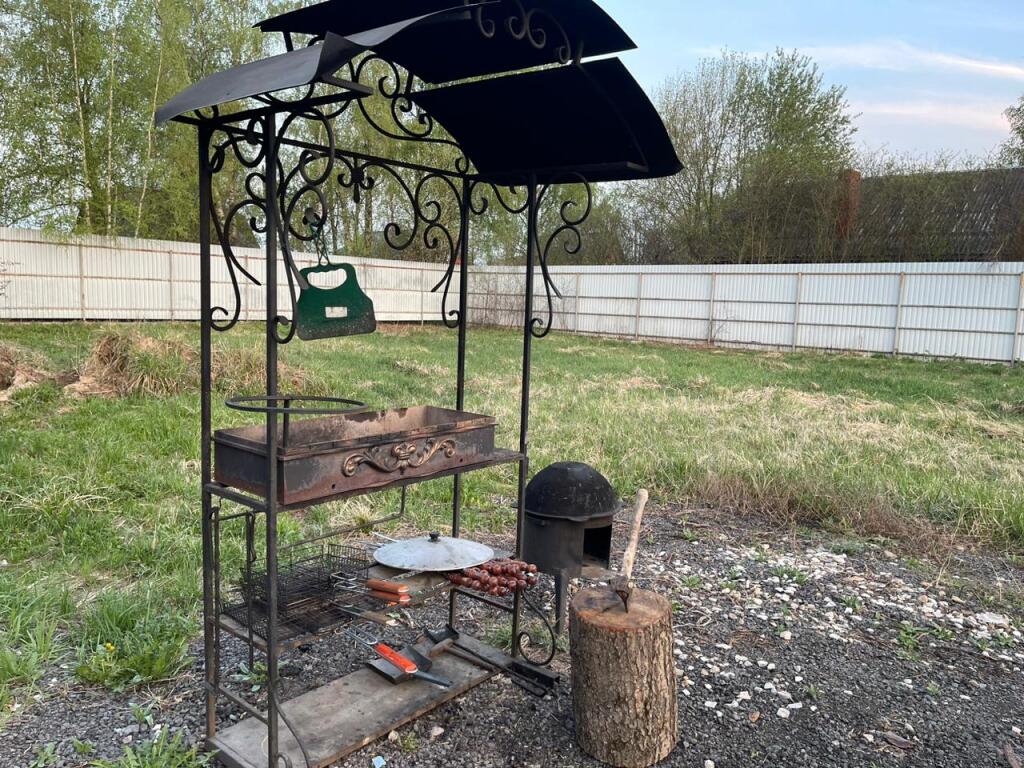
(623, 677)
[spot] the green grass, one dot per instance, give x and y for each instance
(99, 517)
(162, 752)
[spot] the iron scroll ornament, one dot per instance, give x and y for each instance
(571, 215)
(432, 200)
(531, 26)
(398, 457)
(567, 231)
(249, 149)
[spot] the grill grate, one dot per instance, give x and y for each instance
(307, 600)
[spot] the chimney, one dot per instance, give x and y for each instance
(848, 204)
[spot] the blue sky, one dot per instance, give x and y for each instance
(924, 76)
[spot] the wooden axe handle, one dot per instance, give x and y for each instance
(629, 556)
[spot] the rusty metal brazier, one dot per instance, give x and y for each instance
(337, 455)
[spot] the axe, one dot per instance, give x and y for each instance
(622, 584)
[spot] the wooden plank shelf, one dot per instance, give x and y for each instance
(343, 716)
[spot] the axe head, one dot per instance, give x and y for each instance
(623, 587)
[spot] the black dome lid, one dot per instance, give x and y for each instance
(571, 490)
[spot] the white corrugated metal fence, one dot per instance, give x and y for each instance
(964, 310)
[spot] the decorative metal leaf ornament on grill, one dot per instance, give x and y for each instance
(341, 310)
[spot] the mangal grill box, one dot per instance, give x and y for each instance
(344, 454)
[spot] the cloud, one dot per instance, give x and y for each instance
(979, 115)
(899, 56)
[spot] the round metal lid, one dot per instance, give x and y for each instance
(433, 553)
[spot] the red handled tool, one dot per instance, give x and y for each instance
(393, 657)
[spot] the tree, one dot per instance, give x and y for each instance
(1012, 151)
(82, 81)
(762, 142)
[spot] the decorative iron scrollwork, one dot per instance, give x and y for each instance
(550, 644)
(536, 26)
(433, 199)
(566, 232)
(249, 149)
(398, 458)
(408, 122)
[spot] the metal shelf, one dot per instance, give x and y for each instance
(498, 457)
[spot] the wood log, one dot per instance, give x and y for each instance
(623, 677)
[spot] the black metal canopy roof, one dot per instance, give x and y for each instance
(584, 118)
(460, 50)
(593, 119)
(293, 69)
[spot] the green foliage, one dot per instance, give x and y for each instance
(1012, 151)
(83, 78)
(762, 142)
(45, 757)
(161, 752)
(128, 638)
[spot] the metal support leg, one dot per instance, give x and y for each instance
(460, 376)
(524, 406)
(270, 182)
(210, 630)
(561, 601)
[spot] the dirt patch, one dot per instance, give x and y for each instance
(18, 372)
(126, 364)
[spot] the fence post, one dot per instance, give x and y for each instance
(81, 282)
(170, 281)
(579, 276)
(639, 296)
(796, 307)
(423, 295)
(1018, 320)
(899, 315)
(711, 309)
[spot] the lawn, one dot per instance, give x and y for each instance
(99, 523)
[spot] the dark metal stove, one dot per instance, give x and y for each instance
(568, 525)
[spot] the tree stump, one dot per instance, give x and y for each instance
(623, 677)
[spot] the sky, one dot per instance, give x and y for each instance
(923, 77)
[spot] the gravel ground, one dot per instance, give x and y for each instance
(792, 650)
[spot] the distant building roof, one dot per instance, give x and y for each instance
(973, 215)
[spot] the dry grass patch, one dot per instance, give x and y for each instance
(19, 371)
(123, 364)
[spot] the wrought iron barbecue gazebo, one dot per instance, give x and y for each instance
(511, 93)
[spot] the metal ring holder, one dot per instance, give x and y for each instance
(248, 403)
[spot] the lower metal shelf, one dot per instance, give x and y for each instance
(343, 716)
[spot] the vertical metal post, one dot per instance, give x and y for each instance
(796, 308)
(81, 282)
(1018, 320)
(711, 308)
(210, 630)
(579, 281)
(897, 331)
(639, 298)
(460, 375)
(170, 281)
(270, 185)
(524, 405)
